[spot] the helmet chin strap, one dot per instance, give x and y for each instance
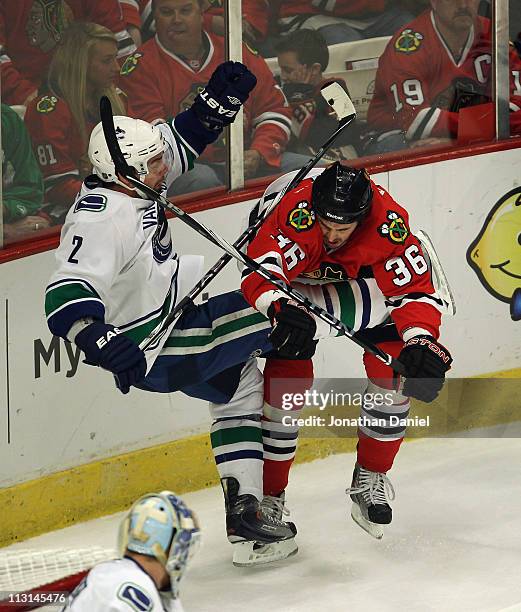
(140, 193)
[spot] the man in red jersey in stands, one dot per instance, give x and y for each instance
(439, 64)
(167, 72)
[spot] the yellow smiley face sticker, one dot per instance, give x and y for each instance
(495, 254)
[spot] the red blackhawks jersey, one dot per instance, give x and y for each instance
(160, 84)
(419, 80)
(289, 243)
(30, 31)
(338, 8)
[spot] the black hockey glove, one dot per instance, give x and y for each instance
(105, 346)
(426, 362)
(293, 330)
(227, 90)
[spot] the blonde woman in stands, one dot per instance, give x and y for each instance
(84, 68)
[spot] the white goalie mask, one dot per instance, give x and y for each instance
(139, 142)
(160, 525)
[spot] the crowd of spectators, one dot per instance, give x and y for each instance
(151, 57)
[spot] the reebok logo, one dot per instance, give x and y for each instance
(233, 100)
(104, 340)
(332, 216)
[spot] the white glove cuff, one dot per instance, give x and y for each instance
(265, 299)
(77, 327)
(415, 331)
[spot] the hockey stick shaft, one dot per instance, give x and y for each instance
(124, 170)
(339, 100)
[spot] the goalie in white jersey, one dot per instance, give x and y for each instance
(157, 538)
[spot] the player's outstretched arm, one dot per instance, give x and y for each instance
(216, 106)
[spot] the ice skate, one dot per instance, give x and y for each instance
(247, 523)
(259, 553)
(371, 493)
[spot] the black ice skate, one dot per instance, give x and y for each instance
(259, 553)
(371, 493)
(247, 523)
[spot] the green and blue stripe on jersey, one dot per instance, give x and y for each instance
(70, 299)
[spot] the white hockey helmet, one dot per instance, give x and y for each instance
(160, 525)
(139, 141)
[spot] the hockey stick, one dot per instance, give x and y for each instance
(128, 173)
(439, 278)
(340, 102)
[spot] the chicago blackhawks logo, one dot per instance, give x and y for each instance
(47, 104)
(130, 63)
(396, 230)
(409, 41)
(301, 218)
(46, 21)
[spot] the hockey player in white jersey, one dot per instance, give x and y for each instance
(157, 538)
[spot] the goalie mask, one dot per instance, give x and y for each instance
(139, 142)
(160, 525)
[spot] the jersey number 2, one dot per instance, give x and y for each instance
(401, 269)
(77, 241)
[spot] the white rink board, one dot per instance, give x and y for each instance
(57, 422)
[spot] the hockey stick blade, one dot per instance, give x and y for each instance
(440, 280)
(336, 96)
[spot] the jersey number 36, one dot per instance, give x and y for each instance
(401, 266)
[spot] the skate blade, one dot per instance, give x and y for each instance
(373, 529)
(244, 554)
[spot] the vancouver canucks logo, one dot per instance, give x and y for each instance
(409, 41)
(161, 240)
(301, 218)
(395, 230)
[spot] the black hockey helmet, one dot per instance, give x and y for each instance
(342, 194)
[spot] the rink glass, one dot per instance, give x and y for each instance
(355, 45)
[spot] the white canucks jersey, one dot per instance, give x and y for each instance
(116, 262)
(119, 586)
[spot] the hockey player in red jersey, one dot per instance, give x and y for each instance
(438, 64)
(341, 225)
(30, 31)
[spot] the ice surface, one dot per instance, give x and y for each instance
(454, 544)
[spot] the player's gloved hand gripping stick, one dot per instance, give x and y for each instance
(340, 102)
(128, 173)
